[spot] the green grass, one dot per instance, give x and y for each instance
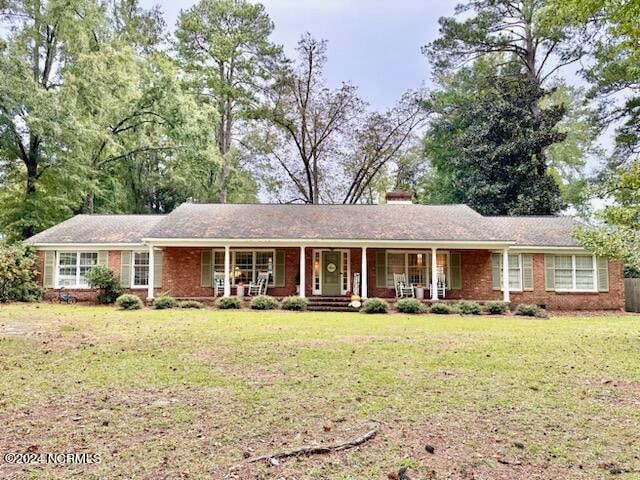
(174, 393)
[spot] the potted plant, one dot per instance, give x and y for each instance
(240, 290)
(420, 291)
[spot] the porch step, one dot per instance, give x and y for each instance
(316, 308)
(329, 304)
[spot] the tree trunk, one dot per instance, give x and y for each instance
(88, 205)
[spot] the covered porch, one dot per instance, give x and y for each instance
(335, 269)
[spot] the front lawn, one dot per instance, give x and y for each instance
(188, 394)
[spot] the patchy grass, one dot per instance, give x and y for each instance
(187, 394)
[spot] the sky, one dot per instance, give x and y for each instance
(374, 44)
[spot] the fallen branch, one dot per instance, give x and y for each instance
(311, 450)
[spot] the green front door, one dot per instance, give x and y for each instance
(331, 273)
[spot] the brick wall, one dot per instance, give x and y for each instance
(477, 285)
(181, 278)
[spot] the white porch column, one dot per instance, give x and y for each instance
(505, 275)
(363, 274)
(434, 274)
(227, 271)
(151, 273)
(303, 273)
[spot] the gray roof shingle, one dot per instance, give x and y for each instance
(344, 222)
(98, 229)
(546, 231)
(388, 222)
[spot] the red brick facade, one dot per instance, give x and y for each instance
(182, 272)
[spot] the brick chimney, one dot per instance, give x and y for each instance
(399, 197)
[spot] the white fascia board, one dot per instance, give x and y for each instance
(88, 246)
(550, 249)
(334, 243)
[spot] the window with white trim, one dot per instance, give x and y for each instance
(515, 271)
(575, 272)
(248, 263)
(72, 268)
(140, 270)
(415, 267)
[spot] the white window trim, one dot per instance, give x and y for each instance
(254, 272)
(594, 271)
(133, 270)
(76, 286)
(519, 255)
(427, 254)
(314, 277)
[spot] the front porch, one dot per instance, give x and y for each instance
(327, 271)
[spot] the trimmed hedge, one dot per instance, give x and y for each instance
(375, 305)
(528, 310)
(468, 308)
(495, 308)
(409, 305)
(263, 302)
(295, 303)
(129, 301)
(164, 301)
(440, 309)
(190, 304)
(227, 303)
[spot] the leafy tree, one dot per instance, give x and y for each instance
(614, 33)
(18, 265)
(225, 49)
(513, 29)
(486, 144)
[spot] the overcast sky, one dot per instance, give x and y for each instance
(375, 44)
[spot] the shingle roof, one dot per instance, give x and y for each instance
(547, 231)
(344, 222)
(98, 229)
(388, 222)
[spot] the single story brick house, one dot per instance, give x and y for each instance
(329, 250)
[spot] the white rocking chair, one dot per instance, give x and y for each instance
(260, 285)
(441, 287)
(403, 289)
(218, 283)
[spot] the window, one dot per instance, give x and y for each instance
(415, 266)
(515, 271)
(73, 267)
(316, 271)
(247, 264)
(575, 272)
(140, 269)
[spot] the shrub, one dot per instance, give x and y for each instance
(375, 305)
(495, 308)
(295, 303)
(527, 310)
(164, 301)
(18, 267)
(263, 302)
(189, 304)
(440, 309)
(409, 305)
(227, 303)
(104, 279)
(468, 308)
(129, 301)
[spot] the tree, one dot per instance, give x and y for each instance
(107, 104)
(324, 142)
(224, 47)
(511, 28)
(615, 75)
(486, 144)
